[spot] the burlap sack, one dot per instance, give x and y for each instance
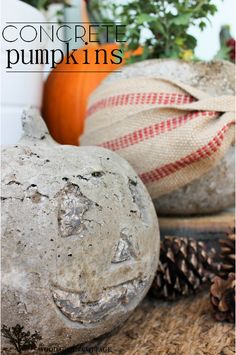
(169, 132)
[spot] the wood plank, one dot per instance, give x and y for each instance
(209, 228)
(222, 222)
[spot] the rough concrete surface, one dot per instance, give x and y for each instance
(80, 239)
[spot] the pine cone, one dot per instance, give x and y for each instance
(227, 255)
(185, 264)
(222, 295)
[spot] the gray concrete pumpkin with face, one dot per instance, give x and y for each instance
(80, 238)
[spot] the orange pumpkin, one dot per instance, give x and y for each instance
(67, 90)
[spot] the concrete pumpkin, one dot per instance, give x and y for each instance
(80, 239)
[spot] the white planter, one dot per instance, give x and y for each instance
(18, 89)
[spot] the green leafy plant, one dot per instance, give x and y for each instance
(44, 4)
(19, 339)
(159, 26)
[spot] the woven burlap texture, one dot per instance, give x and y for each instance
(169, 132)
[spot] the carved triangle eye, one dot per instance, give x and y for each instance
(125, 248)
(73, 204)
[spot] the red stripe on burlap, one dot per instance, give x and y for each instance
(152, 131)
(202, 153)
(146, 98)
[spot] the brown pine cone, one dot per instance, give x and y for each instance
(227, 255)
(222, 295)
(185, 265)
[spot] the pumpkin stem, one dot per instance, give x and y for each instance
(34, 126)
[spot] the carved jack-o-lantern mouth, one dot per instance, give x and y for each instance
(75, 309)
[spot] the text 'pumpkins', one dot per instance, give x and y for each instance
(68, 88)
